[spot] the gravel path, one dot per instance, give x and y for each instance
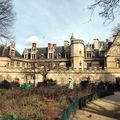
(107, 108)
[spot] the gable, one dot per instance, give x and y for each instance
(115, 47)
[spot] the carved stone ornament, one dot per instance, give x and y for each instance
(115, 48)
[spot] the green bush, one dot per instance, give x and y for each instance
(11, 117)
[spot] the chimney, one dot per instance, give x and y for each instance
(54, 45)
(34, 45)
(49, 45)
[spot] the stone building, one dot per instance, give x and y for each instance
(77, 60)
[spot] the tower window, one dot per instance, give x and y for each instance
(80, 63)
(80, 52)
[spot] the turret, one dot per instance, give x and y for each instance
(77, 53)
(72, 37)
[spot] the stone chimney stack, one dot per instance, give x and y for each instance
(34, 46)
(54, 45)
(49, 45)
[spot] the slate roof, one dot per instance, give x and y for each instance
(42, 52)
(4, 52)
(59, 51)
(1, 49)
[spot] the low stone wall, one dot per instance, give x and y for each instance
(62, 77)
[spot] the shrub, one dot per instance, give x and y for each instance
(5, 84)
(48, 82)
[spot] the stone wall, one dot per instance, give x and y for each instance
(62, 77)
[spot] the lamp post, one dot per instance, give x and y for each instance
(34, 72)
(34, 78)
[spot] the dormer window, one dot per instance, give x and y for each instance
(51, 51)
(33, 56)
(26, 53)
(50, 55)
(33, 51)
(26, 56)
(12, 52)
(88, 54)
(12, 49)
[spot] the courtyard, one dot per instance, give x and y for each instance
(107, 108)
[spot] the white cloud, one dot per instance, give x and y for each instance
(33, 39)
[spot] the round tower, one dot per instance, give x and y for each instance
(77, 53)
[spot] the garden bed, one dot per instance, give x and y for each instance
(44, 103)
(39, 103)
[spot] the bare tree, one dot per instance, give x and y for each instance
(110, 9)
(116, 29)
(42, 68)
(45, 68)
(6, 19)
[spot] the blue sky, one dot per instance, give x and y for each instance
(54, 21)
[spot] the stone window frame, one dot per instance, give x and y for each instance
(89, 54)
(12, 64)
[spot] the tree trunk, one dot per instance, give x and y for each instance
(44, 77)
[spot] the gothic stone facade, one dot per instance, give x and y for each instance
(76, 60)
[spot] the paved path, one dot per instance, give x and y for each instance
(107, 108)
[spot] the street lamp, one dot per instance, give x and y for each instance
(34, 78)
(34, 72)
